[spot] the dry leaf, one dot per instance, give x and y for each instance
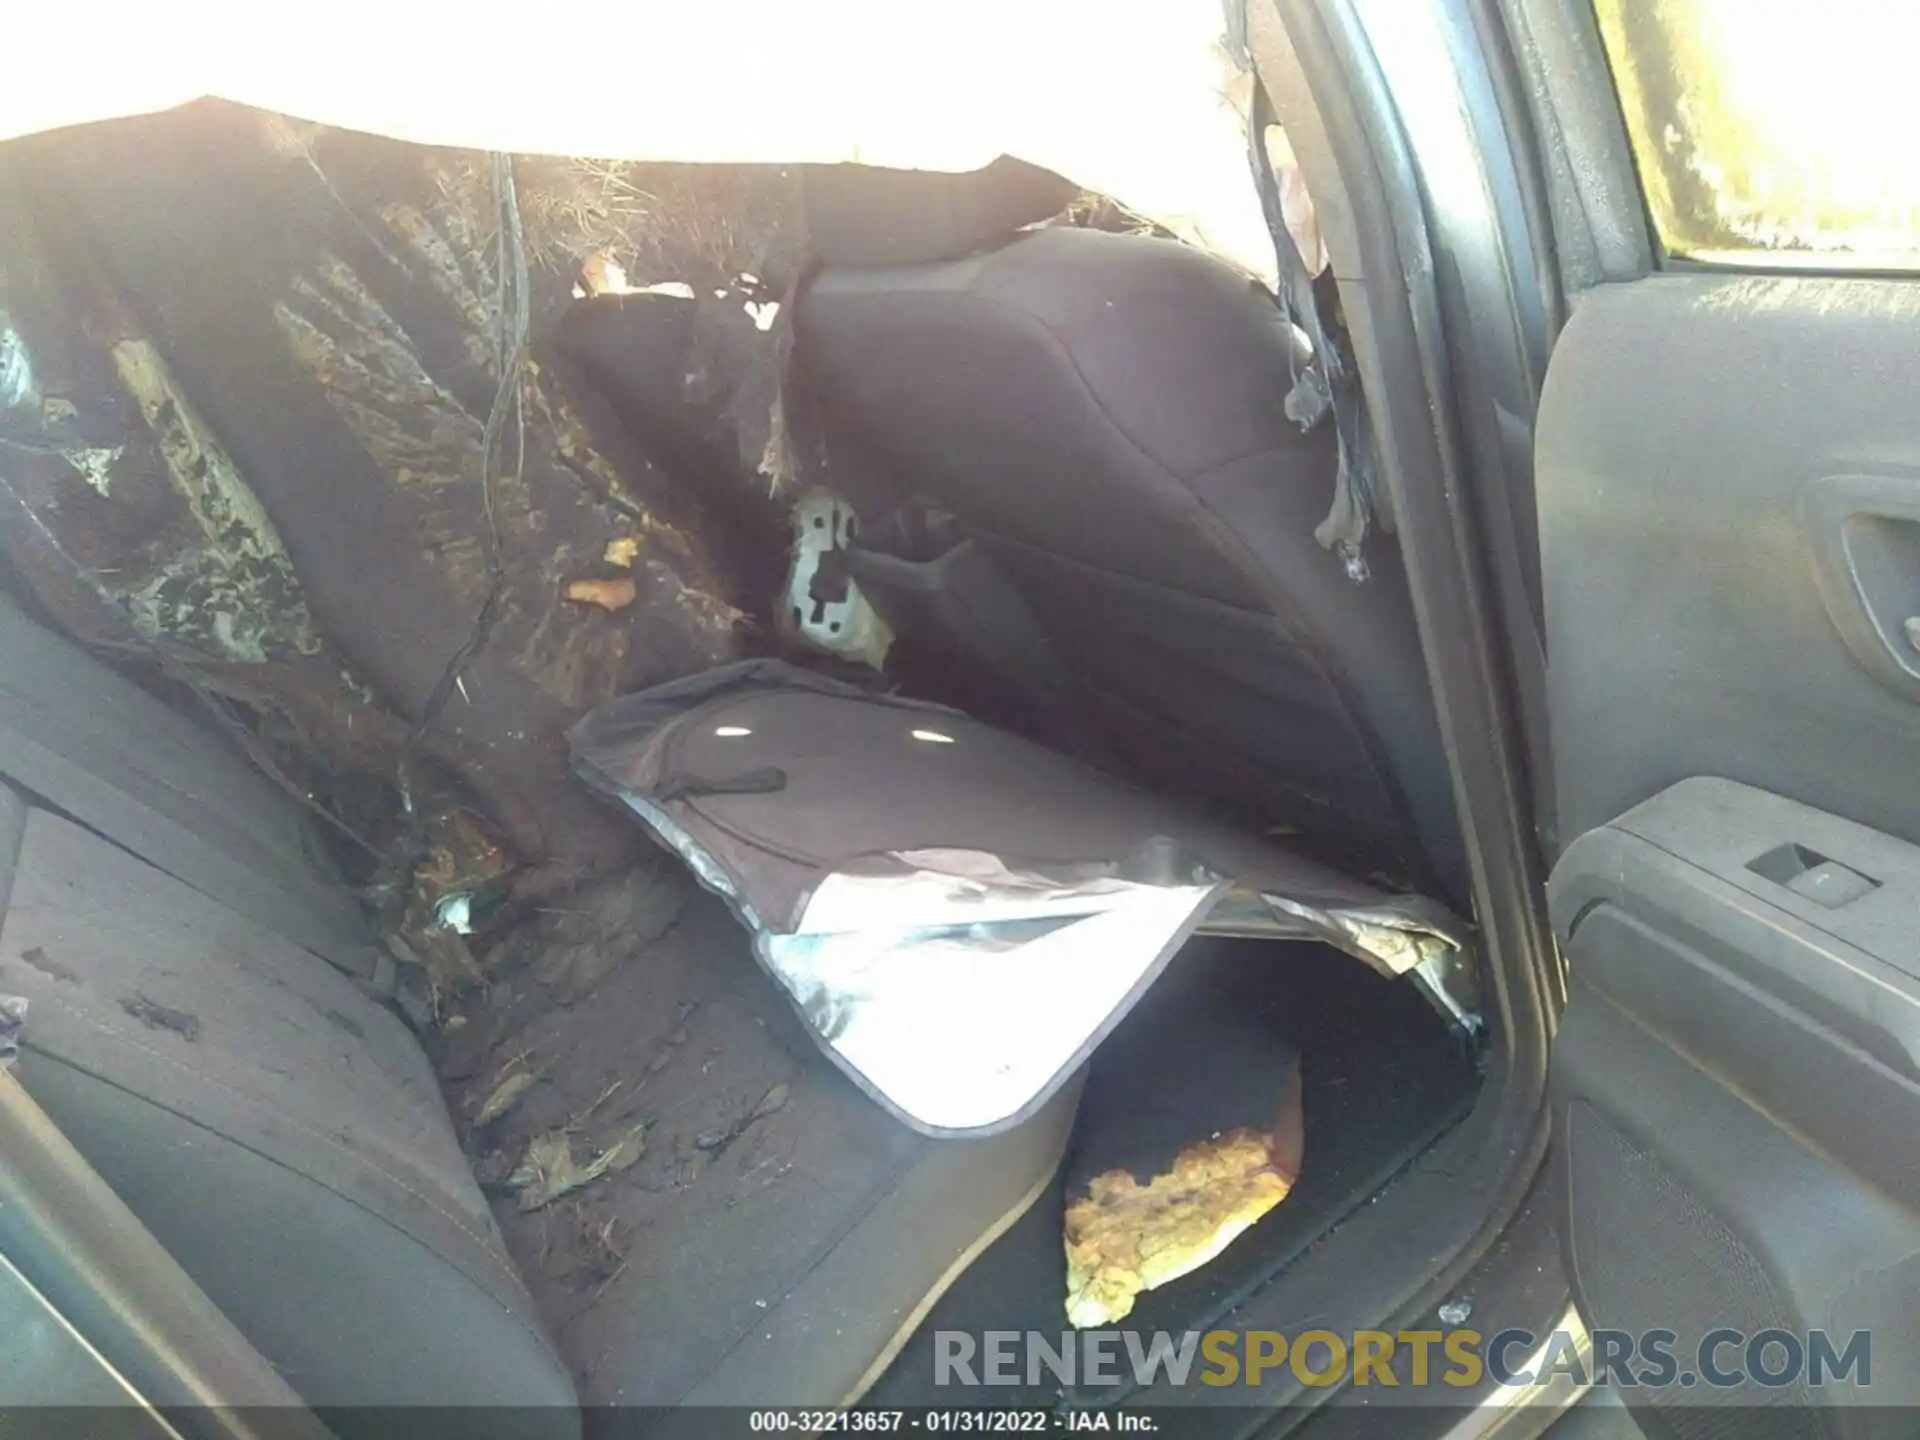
(774, 1100)
(548, 1170)
(503, 1097)
(610, 595)
(623, 552)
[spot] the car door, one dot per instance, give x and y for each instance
(1727, 472)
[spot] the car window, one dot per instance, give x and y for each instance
(1774, 131)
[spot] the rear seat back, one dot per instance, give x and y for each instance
(96, 746)
(1106, 414)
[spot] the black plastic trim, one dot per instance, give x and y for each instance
(1425, 1235)
(1410, 383)
(1599, 210)
(76, 1243)
(1499, 295)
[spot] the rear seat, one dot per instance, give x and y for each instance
(97, 747)
(281, 1133)
(273, 1125)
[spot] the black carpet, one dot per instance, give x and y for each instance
(1208, 1049)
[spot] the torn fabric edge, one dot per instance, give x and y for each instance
(1325, 386)
(961, 991)
(1394, 939)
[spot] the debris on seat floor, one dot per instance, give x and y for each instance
(1124, 1237)
(515, 1080)
(463, 868)
(552, 1166)
(613, 596)
(623, 1072)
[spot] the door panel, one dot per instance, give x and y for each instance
(1737, 1089)
(1705, 443)
(1728, 472)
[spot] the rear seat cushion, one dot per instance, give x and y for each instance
(783, 1265)
(278, 1131)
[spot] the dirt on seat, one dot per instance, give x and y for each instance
(636, 1008)
(297, 444)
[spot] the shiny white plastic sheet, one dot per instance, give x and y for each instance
(960, 991)
(963, 995)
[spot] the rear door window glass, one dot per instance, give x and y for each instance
(1782, 132)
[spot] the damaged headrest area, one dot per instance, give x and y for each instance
(685, 773)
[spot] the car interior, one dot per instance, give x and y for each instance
(1086, 517)
(481, 732)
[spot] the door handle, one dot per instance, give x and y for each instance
(1865, 535)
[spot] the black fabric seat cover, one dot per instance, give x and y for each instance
(191, 1031)
(277, 1130)
(785, 1267)
(774, 784)
(1106, 412)
(783, 777)
(281, 1132)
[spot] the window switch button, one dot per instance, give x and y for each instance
(1831, 884)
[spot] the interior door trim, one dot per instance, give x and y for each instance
(1867, 595)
